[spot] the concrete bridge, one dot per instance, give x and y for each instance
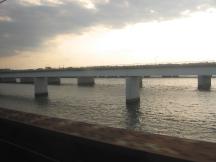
(132, 74)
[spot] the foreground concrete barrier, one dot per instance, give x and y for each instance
(32, 137)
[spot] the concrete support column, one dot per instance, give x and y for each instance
(204, 82)
(86, 81)
(132, 89)
(8, 80)
(54, 81)
(40, 85)
(140, 82)
(27, 80)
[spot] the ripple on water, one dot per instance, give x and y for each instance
(168, 106)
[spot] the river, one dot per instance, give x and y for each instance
(168, 106)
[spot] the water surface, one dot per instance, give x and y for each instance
(169, 106)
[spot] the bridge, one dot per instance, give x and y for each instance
(132, 74)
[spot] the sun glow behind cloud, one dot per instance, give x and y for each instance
(189, 38)
(186, 39)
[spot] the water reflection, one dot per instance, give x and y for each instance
(133, 116)
(42, 101)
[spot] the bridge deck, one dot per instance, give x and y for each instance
(117, 71)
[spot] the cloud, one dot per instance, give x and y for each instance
(26, 24)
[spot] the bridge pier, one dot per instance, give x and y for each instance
(8, 80)
(140, 82)
(27, 80)
(204, 82)
(85, 81)
(40, 86)
(132, 89)
(54, 81)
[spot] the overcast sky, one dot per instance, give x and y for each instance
(39, 33)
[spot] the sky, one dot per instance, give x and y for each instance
(77, 33)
